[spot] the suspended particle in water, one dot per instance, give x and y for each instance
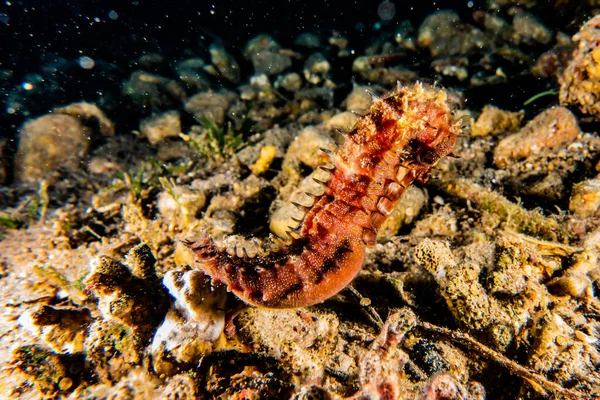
(386, 10)
(86, 62)
(112, 14)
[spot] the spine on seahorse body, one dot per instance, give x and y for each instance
(399, 140)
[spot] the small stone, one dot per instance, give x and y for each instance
(151, 60)
(210, 105)
(192, 73)
(65, 383)
(150, 90)
(266, 55)
(181, 204)
(226, 66)
(359, 99)
(291, 82)
(48, 144)
(585, 198)
(309, 40)
(160, 127)
(580, 81)
(316, 68)
(370, 69)
(550, 129)
(89, 115)
(270, 63)
(258, 44)
(406, 210)
(341, 42)
(344, 121)
(101, 165)
(260, 81)
(405, 36)
(493, 121)
(493, 24)
(454, 67)
(527, 29)
(443, 33)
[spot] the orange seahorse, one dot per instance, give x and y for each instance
(403, 135)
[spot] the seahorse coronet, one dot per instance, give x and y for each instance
(398, 141)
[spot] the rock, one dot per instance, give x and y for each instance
(101, 165)
(89, 115)
(359, 99)
(192, 73)
(370, 69)
(210, 105)
(580, 81)
(341, 42)
(443, 33)
(551, 62)
(49, 144)
(494, 25)
(259, 89)
(264, 53)
(160, 127)
(149, 90)
(454, 67)
(316, 68)
(276, 137)
(528, 30)
(224, 63)
(270, 63)
(585, 198)
(260, 43)
(151, 61)
(404, 213)
(306, 148)
(405, 36)
(551, 129)
(466, 298)
(178, 203)
(309, 40)
(291, 82)
(493, 121)
(315, 96)
(111, 348)
(344, 121)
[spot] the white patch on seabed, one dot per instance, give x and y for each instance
(197, 314)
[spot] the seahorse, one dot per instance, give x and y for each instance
(397, 142)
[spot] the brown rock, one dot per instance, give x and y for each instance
(550, 129)
(50, 143)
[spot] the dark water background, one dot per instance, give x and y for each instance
(41, 40)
